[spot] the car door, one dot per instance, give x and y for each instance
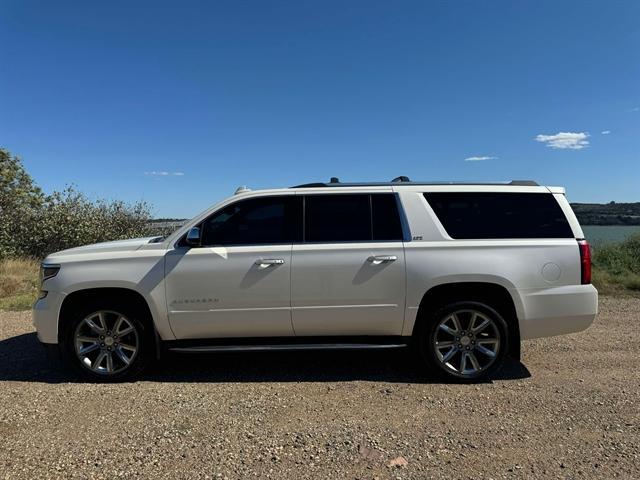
(348, 275)
(237, 282)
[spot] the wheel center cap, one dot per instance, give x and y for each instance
(108, 341)
(465, 341)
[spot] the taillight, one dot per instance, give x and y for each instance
(585, 262)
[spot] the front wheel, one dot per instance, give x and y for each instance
(107, 344)
(464, 341)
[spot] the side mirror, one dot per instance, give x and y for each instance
(193, 237)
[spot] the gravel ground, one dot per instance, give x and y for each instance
(570, 410)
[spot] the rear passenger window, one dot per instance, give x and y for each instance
(479, 215)
(351, 218)
(337, 218)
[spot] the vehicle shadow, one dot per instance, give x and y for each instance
(23, 359)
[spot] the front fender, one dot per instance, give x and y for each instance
(143, 274)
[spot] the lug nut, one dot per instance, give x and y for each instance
(102, 344)
(468, 348)
(457, 339)
(101, 337)
(459, 345)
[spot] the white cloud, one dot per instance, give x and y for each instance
(479, 159)
(564, 140)
(605, 132)
(163, 174)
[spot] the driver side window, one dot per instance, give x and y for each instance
(257, 221)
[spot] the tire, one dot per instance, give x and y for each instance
(108, 341)
(464, 342)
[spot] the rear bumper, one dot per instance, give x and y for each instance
(557, 311)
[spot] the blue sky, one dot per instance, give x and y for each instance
(178, 103)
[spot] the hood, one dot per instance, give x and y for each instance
(104, 247)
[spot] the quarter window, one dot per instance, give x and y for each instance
(480, 215)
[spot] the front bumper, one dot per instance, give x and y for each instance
(557, 311)
(45, 313)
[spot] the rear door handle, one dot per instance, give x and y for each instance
(268, 262)
(378, 259)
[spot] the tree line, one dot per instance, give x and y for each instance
(611, 213)
(34, 224)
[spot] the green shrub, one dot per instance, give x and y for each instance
(616, 266)
(70, 219)
(620, 257)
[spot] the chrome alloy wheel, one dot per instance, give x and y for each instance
(106, 342)
(467, 342)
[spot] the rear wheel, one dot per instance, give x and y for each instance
(107, 342)
(464, 341)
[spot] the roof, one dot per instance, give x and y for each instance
(399, 181)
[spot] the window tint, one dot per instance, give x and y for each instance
(499, 215)
(385, 216)
(351, 218)
(337, 218)
(258, 221)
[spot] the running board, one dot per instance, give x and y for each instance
(285, 347)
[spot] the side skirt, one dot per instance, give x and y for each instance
(274, 344)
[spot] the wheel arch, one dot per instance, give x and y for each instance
(493, 294)
(81, 298)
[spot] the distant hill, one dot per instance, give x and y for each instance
(608, 213)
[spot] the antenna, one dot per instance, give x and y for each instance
(241, 189)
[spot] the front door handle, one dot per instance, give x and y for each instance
(378, 259)
(268, 262)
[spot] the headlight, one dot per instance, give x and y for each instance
(48, 270)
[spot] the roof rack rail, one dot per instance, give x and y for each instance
(335, 182)
(524, 183)
(401, 178)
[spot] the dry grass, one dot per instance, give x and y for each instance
(18, 283)
(619, 285)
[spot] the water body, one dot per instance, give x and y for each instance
(601, 234)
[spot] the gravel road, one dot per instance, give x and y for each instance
(570, 410)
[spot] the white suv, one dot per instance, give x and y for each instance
(463, 272)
